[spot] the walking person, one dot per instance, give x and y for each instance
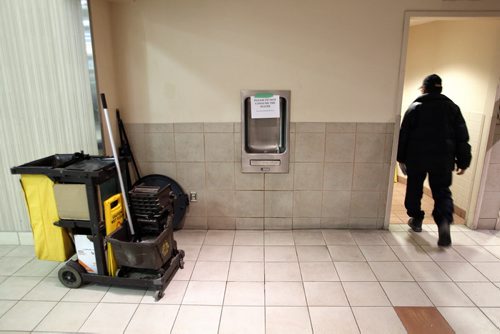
(433, 141)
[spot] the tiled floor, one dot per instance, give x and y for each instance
(398, 211)
(306, 281)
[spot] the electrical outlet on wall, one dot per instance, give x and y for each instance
(193, 196)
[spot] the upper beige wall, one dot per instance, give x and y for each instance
(186, 61)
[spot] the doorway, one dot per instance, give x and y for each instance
(464, 52)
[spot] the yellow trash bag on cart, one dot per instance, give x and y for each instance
(51, 242)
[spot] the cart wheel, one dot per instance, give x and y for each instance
(159, 295)
(181, 263)
(70, 277)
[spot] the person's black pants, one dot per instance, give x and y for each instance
(440, 183)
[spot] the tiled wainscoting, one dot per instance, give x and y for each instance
(338, 177)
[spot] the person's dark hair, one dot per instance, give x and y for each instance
(432, 84)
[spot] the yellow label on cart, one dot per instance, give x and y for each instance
(113, 216)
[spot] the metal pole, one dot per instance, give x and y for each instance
(117, 163)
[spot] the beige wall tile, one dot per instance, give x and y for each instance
(220, 175)
(218, 127)
(188, 127)
(490, 206)
(237, 147)
(369, 147)
(495, 150)
(191, 175)
(335, 204)
(486, 224)
(137, 143)
(158, 127)
(159, 147)
(237, 127)
(249, 223)
(308, 176)
(310, 127)
(195, 223)
(278, 203)
(189, 147)
(280, 181)
(371, 127)
(247, 181)
(293, 127)
(278, 223)
(219, 147)
(198, 208)
(221, 223)
(306, 223)
(249, 203)
(134, 128)
(307, 204)
(163, 168)
(364, 223)
(292, 146)
(493, 181)
(340, 147)
(220, 203)
(364, 204)
(340, 127)
(388, 147)
(338, 176)
(309, 147)
(334, 222)
(369, 176)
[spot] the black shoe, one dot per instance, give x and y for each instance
(415, 224)
(444, 234)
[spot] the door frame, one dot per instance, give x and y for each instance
(475, 200)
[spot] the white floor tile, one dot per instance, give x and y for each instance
(22, 251)
(278, 238)
(390, 271)
(210, 271)
(4, 249)
(66, 317)
(185, 273)
(489, 269)
(462, 272)
(313, 253)
(376, 320)
(308, 238)
(215, 253)
(411, 253)
(9, 265)
(372, 238)
(49, 289)
(405, 294)
(246, 271)
(495, 250)
(338, 238)
(215, 237)
(425, 238)
(467, 320)
(109, 318)
(244, 294)
(475, 254)
(483, 237)
(290, 320)
(153, 319)
(325, 294)
(25, 315)
(346, 253)
(493, 313)
(189, 237)
(328, 320)
(282, 271)
(445, 294)
(248, 253)
(482, 294)
(204, 293)
(173, 294)
(365, 294)
(461, 239)
(398, 238)
(285, 294)
(249, 238)
(207, 320)
(191, 252)
(354, 271)
(280, 254)
(15, 288)
(37, 268)
(318, 272)
(443, 254)
(378, 253)
(86, 293)
(5, 305)
(426, 271)
(125, 295)
(242, 320)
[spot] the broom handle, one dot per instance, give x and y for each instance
(117, 163)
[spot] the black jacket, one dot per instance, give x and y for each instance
(433, 135)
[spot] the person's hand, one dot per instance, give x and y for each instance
(402, 166)
(460, 171)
